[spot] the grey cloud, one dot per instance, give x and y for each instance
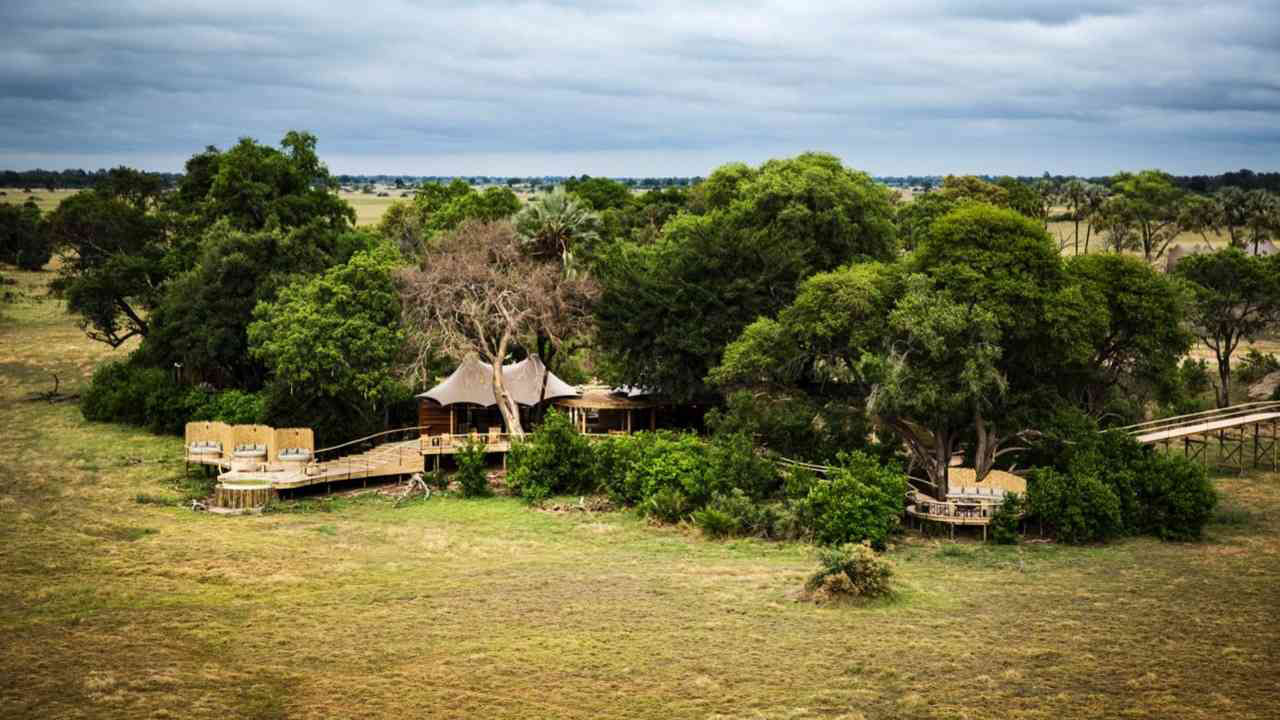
(642, 87)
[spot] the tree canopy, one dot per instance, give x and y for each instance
(1235, 296)
(668, 309)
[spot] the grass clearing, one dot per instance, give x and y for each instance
(113, 607)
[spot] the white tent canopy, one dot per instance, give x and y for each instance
(472, 383)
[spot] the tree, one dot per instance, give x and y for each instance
(1263, 222)
(480, 293)
(553, 225)
(1144, 211)
(1231, 205)
(915, 217)
(1079, 197)
(23, 239)
(202, 319)
(437, 208)
(1006, 265)
(668, 309)
(256, 186)
(115, 263)
(1134, 327)
(599, 193)
(938, 376)
(1235, 297)
(944, 346)
(336, 334)
(968, 187)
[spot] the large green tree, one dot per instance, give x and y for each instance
(1144, 212)
(947, 345)
(1235, 297)
(116, 259)
(668, 309)
(203, 318)
(1134, 327)
(335, 335)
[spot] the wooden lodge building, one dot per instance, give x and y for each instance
(464, 403)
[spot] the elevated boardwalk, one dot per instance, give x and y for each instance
(1245, 434)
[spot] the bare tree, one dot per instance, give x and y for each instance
(478, 292)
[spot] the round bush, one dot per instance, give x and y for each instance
(851, 569)
(858, 500)
(1078, 508)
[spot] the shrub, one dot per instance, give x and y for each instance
(473, 477)
(677, 465)
(851, 569)
(1004, 522)
(234, 407)
(119, 392)
(667, 504)
(1079, 508)
(857, 500)
(554, 459)
(1255, 365)
(1167, 496)
(735, 513)
(610, 459)
(736, 465)
(1175, 496)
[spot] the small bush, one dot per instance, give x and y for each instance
(850, 570)
(1004, 522)
(858, 500)
(555, 459)
(1079, 508)
(473, 477)
(1255, 365)
(735, 513)
(667, 504)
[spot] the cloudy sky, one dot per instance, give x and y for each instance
(648, 88)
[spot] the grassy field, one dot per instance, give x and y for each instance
(117, 603)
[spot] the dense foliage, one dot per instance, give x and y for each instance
(24, 240)
(1105, 484)
(669, 308)
(554, 459)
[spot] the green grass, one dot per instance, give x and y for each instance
(111, 607)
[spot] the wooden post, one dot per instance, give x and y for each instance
(629, 411)
(653, 418)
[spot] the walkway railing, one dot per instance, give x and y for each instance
(1205, 421)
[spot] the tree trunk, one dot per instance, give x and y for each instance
(506, 404)
(1224, 380)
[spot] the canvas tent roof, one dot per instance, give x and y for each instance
(472, 383)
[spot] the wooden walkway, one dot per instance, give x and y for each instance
(1245, 434)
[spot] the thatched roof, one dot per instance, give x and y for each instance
(472, 383)
(602, 397)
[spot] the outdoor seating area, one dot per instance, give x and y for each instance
(968, 502)
(247, 448)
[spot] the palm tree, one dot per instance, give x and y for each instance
(555, 224)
